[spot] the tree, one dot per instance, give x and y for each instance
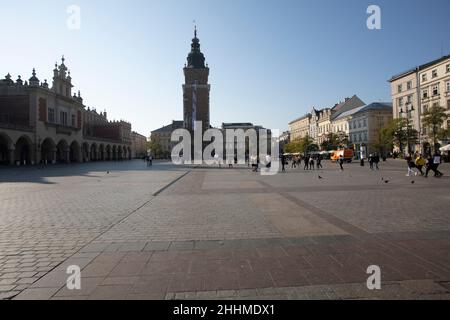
(397, 132)
(433, 119)
(306, 144)
(302, 145)
(383, 141)
(342, 139)
(292, 147)
(335, 141)
(331, 142)
(155, 146)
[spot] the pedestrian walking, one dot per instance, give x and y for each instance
(341, 162)
(433, 163)
(283, 162)
(420, 162)
(371, 161)
(311, 163)
(376, 160)
(319, 162)
(411, 165)
(306, 166)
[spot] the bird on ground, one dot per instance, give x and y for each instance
(107, 172)
(320, 177)
(386, 181)
(412, 182)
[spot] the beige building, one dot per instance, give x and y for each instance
(418, 89)
(138, 145)
(299, 128)
(362, 124)
(39, 123)
(323, 125)
(319, 123)
(163, 137)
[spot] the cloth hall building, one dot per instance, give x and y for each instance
(50, 124)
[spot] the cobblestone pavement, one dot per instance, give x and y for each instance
(195, 233)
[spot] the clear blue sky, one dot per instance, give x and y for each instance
(270, 60)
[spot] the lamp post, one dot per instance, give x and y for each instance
(407, 113)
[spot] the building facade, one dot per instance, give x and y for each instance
(162, 137)
(415, 91)
(299, 128)
(317, 124)
(365, 124)
(138, 145)
(39, 123)
(323, 125)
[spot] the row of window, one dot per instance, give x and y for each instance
(434, 74)
(358, 137)
(357, 124)
(436, 104)
(425, 93)
(63, 118)
(408, 86)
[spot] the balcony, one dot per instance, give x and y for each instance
(62, 129)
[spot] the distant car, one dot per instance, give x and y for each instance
(346, 153)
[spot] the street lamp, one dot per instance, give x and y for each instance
(407, 113)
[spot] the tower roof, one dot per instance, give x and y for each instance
(195, 59)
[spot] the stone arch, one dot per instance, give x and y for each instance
(85, 152)
(5, 149)
(75, 152)
(119, 152)
(114, 152)
(48, 151)
(101, 152)
(108, 152)
(62, 151)
(93, 153)
(23, 150)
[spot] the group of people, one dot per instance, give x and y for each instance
(418, 162)
(310, 162)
